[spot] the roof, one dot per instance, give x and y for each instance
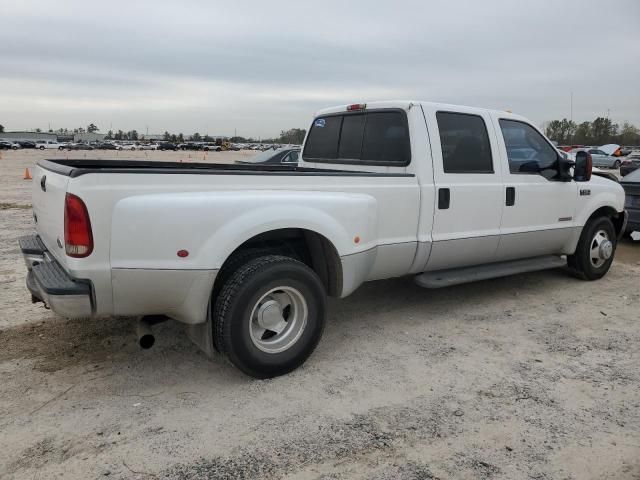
(407, 104)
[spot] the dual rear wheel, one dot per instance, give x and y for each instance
(269, 315)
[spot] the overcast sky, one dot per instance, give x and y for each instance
(263, 66)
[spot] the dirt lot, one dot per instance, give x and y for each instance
(533, 376)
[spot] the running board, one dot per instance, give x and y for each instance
(455, 276)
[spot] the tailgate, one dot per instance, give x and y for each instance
(48, 196)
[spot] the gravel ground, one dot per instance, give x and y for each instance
(532, 376)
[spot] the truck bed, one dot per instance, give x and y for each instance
(76, 168)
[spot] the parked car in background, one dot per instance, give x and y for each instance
(167, 146)
(211, 147)
(26, 144)
(106, 146)
(630, 163)
(191, 146)
(281, 156)
(4, 145)
(148, 146)
(78, 146)
(599, 157)
(49, 145)
(631, 185)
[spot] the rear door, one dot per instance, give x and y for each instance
(468, 188)
(539, 212)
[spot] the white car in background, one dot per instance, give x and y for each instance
(601, 156)
(49, 145)
(148, 146)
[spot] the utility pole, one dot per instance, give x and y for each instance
(571, 116)
(571, 108)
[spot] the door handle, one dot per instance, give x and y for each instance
(444, 198)
(511, 196)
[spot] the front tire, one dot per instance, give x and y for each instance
(616, 164)
(595, 251)
(269, 316)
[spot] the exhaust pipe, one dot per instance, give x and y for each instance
(146, 338)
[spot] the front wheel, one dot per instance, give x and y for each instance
(596, 247)
(269, 316)
(616, 164)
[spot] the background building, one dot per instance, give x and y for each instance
(33, 136)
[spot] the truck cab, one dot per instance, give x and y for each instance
(492, 187)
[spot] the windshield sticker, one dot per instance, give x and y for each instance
(319, 123)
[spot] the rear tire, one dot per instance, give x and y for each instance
(616, 164)
(593, 257)
(269, 316)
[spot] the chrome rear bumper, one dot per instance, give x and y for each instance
(50, 283)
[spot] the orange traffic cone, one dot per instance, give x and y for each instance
(27, 175)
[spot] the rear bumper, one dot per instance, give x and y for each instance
(50, 283)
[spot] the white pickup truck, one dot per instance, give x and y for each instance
(245, 255)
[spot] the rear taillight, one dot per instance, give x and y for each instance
(78, 239)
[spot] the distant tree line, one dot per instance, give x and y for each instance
(292, 136)
(599, 132)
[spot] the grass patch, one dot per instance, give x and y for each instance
(8, 206)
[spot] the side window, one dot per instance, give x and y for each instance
(323, 138)
(377, 137)
(527, 150)
(465, 143)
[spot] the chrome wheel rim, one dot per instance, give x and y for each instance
(601, 249)
(278, 319)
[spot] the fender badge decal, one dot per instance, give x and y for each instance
(565, 219)
(585, 192)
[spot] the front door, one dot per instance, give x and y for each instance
(468, 189)
(538, 216)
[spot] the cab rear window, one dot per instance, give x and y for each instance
(373, 138)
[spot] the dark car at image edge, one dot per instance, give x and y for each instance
(631, 185)
(630, 164)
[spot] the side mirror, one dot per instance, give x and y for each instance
(564, 168)
(583, 167)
